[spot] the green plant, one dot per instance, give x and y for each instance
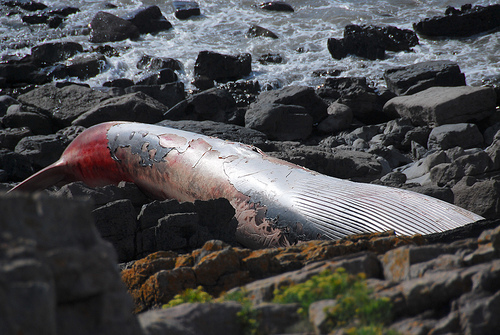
(355, 305)
(190, 295)
(248, 316)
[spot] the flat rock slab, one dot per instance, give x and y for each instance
(443, 105)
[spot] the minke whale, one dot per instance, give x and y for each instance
(276, 203)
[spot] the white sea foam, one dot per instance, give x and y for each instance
(223, 25)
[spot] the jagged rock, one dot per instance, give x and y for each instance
(42, 150)
(221, 67)
(214, 104)
(19, 116)
(278, 6)
(481, 197)
(11, 136)
(164, 76)
(158, 63)
(339, 118)
(469, 21)
(437, 106)
(256, 31)
(414, 78)
(50, 53)
(185, 9)
(106, 27)
(464, 135)
(85, 66)
(137, 107)
(149, 20)
(63, 104)
(168, 94)
(243, 92)
(280, 122)
(59, 275)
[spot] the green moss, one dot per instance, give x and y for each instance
(248, 316)
(190, 295)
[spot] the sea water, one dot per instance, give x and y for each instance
(302, 40)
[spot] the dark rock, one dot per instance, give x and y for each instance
(481, 197)
(85, 66)
(224, 131)
(256, 31)
(243, 92)
(106, 27)
(418, 77)
(339, 118)
(19, 116)
(36, 18)
(16, 166)
(464, 135)
(31, 6)
(270, 59)
(137, 107)
(185, 9)
(20, 73)
(150, 20)
(164, 76)
(106, 50)
(42, 150)
(65, 11)
(63, 104)
(5, 102)
(11, 136)
(278, 6)
(294, 95)
(280, 122)
(158, 63)
(121, 82)
(437, 106)
(222, 67)
(50, 53)
(55, 21)
(467, 22)
(213, 104)
(167, 94)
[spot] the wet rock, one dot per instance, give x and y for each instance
(221, 67)
(149, 20)
(339, 118)
(270, 59)
(185, 9)
(294, 95)
(31, 6)
(17, 73)
(19, 116)
(220, 130)
(418, 77)
(137, 107)
(256, 31)
(50, 53)
(464, 135)
(42, 150)
(85, 66)
(164, 76)
(280, 122)
(243, 92)
(278, 6)
(466, 22)
(437, 106)
(152, 63)
(106, 27)
(214, 104)
(64, 104)
(60, 276)
(121, 83)
(168, 94)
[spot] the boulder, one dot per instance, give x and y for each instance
(152, 63)
(165, 76)
(464, 135)
(149, 20)
(42, 150)
(278, 6)
(437, 106)
(11, 136)
(270, 59)
(294, 95)
(16, 167)
(20, 73)
(85, 66)
(5, 102)
(214, 104)
(168, 94)
(221, 67)
(459, 23)
(64, 104)
(256, 31)
(280, 122)
(418, 77)
(50, 53)
(339, 118)
(106, 27)
(185, 9)
(19, 116)
(137, 107)
(481, 197)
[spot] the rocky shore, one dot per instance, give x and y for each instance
(425, 130)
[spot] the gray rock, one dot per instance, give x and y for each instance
(16, 167)
(58, 275)
(437, 106)
(294, 95)
(222, 68)
(153, 63)
(63, 104)
(149, 20)
(339, 118)
(446, 174)
(318, 316)
(163, 76)
(42, 150)
(256, 31)
(464, 135)
(49, 53)
(221, 130)
(86, 66)
(277, 318)
(478, 315)
(5, 102)
(168, 94)
(11, 136)
(193, 319)
(280, 122)
(106, 27)
(482, 197)
(19, 116)
(214, 104)
(137, 107)
(418, 77)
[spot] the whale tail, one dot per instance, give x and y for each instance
(339, 208)
(49, 176)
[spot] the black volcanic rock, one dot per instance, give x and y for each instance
(185, 9)
(278, 6)
(221, 67)
(150, 20)
(106, 27)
